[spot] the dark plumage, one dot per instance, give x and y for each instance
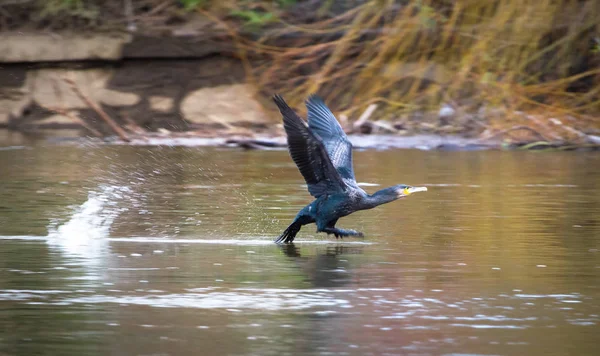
(323, 155)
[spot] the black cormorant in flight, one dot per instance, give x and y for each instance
(323, 155)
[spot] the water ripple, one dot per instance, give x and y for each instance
(219, 300)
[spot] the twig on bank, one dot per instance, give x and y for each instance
(132, 125)
(111, 123)
(231, 129)
(546, 128)
(514, 128)
(569, 129)
(61, 110)
(74, 117)
(365, 116)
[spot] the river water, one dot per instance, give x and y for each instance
(168, 251)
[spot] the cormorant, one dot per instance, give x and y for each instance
(323, 155)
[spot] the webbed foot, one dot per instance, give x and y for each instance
(341, 233)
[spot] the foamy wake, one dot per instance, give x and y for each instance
(85, 233)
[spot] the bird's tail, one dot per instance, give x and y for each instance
(290, 233)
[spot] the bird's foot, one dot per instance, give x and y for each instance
(353, 233)
(341, 233)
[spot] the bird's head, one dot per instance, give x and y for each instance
(390, 194)
(403, 190)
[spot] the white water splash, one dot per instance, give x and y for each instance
(85, 234)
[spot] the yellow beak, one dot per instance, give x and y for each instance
(409, 191)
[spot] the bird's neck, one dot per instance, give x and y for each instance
(382, 196)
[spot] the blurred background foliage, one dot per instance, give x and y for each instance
(496, 63)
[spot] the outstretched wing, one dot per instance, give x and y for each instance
(322, 122)
(309, 154)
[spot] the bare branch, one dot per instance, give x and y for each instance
(111, 123)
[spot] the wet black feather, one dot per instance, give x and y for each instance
(309, 153)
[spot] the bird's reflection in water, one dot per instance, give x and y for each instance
(326, 268)
(290, 250)
(329, 268)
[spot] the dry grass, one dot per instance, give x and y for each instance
(502, 56)
(501, 63)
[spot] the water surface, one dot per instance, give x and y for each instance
(167, 250)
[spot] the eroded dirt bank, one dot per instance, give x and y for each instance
(165, 70)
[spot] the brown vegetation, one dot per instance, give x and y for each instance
(522, 70)
(499, 64)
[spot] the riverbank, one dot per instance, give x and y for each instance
(209, 100)
(185, 69)
(274, 141)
